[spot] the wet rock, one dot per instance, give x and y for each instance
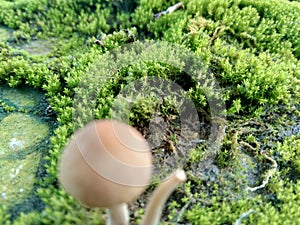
(5, 33)
(38, 47)
(19, 131)
(24, 137)
(24, 97)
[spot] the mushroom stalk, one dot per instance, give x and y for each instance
(118, 215)
(159, 197)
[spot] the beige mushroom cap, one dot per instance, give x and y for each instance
(106, 163)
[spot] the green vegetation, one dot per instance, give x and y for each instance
(252, 48)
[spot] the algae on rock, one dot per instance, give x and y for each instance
(23, 137)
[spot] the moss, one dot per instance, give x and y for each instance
(250, 47)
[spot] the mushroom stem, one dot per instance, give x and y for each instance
(160, 196)
(118, 215)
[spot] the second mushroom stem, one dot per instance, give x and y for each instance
(160, 196)
(118, 214)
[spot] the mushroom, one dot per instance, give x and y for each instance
(106, 164)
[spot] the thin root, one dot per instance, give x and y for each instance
(243, 216)
(170, 10)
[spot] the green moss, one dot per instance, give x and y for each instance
(289, 155)
(283, 209)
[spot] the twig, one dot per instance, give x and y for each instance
(169, 10)
(243, 216)
(216, 33)
(248, 146)
(182, 211)
(270, 173)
